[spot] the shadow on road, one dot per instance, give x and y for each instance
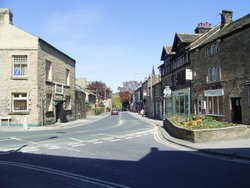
(156, 169)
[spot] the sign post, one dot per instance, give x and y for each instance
(166, 101)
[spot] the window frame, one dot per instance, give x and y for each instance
(48, 70)
(49, 102)
(67, 77)
(67, 103)
(23, 66)
(19, 98)
(214, 105)
(214, 74)
(58, 90)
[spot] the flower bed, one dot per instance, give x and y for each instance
(193, 122)
(203, 129)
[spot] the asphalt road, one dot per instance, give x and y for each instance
(117, 151)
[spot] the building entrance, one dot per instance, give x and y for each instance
(236, 110)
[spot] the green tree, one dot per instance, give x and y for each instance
(116, 102)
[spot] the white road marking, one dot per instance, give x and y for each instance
(115, 140)
(75, 139)
(64, 174)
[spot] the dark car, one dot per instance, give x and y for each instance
(114, 112)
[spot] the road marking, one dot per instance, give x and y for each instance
(115, 140)
(98, 142)
(5, 139)
(75, 139)
(78, 177)
(76, 145)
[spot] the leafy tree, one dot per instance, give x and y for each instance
(116, 102)
(100, 89)
(129, 86)
(127, 90)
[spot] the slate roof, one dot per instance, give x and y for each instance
(187, 38)
(204, 37)
(226, 31)
(166, 50)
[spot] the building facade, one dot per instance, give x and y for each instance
(38, 80)
(176, 63)
(221, 63)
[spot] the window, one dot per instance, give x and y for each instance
(19, 66)
(214, 105)
(248, 94)
(19, 102)
(49, 102)
(212, 49)
(67, 103)
(67, 78)
(58, 89)
(214, 74)
(48, 71)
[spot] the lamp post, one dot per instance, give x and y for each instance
(167, 94)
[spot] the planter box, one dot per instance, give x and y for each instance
(206, 135)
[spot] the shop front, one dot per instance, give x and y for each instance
(181, 101)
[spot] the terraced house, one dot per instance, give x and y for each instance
(221, 66)
(219, 62)
(37, 80)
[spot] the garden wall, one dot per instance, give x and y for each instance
(206, 135)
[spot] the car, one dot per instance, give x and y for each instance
(114, 112)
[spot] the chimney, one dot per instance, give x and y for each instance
(203, 28)
(226, 17)
(5, 16)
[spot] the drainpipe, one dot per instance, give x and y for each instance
(42, 111)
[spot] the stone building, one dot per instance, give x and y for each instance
(176, 63)
(221, 66)
(37, 80)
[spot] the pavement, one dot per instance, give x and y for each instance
(235, 149)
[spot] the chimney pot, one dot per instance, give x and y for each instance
(203, 28)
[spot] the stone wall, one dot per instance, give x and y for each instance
(10, 85)
(234, 61)
(207, 135)
(60, 62)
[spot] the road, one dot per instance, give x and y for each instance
(116, 151)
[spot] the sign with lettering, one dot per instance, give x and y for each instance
(214, 92)
(189, 74)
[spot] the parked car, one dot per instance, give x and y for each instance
(114, 112)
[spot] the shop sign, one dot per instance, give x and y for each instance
(214, 92)
(189, 74)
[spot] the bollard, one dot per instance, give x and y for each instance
(25, 123)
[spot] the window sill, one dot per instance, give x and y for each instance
(217, 115)
(19, 113)
(49, 82)
(19, 78)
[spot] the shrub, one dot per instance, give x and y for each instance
(198, 122)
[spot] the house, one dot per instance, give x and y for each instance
(221, 67)
(80, 102)
(176, 63)
(37, 80)
(90, 96)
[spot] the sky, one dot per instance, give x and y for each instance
(114, 41)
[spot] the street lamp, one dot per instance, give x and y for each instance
(167, 94)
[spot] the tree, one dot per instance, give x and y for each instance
(116, 102)
(129, 86)
(127, 90)
(100, 89)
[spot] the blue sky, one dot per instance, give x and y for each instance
(116, 40)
